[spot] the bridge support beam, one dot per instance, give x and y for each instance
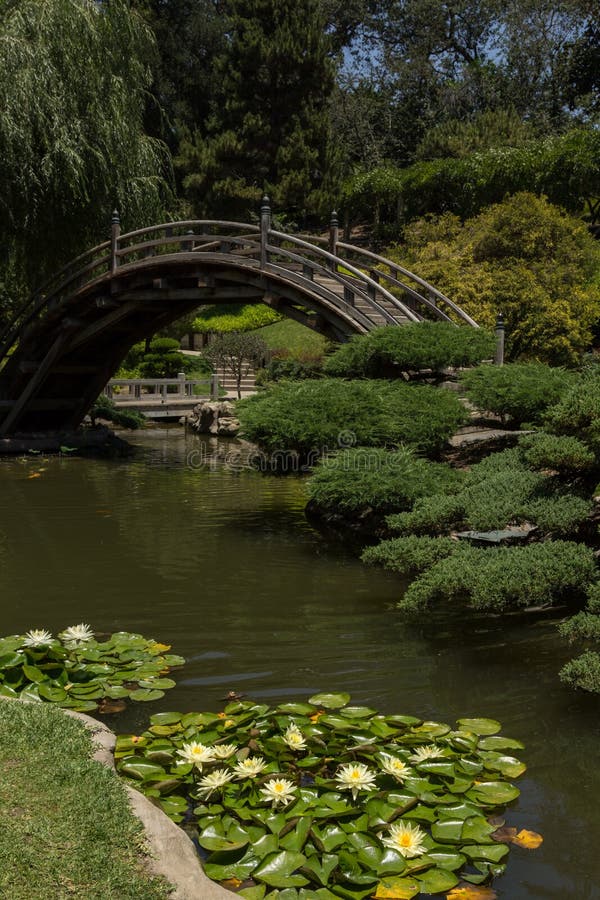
(35, 382)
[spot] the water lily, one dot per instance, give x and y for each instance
(394, 766)
(224, 751)
(212, 782)
(422, 754)
(294, 737)
(250, 767)
(405, 839)
(278, 790)
(196, 753)
(37, 637)
(355, 777)
(79, 633)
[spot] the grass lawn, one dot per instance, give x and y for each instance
(66, 830)
(289, 335)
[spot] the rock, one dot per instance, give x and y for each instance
(214, 417)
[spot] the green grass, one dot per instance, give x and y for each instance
(66, 830)
(291, 336)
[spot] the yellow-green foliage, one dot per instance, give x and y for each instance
(524, 258)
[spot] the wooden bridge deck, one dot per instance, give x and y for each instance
(65, 343)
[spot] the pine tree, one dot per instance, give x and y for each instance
(270, 126)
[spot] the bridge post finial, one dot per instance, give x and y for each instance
(265, 225)
(499, 356)
(115, 231)
(334, 232)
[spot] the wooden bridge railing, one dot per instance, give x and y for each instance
(387, 287)
(134, 390)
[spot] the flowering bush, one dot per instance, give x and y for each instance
(325, 800)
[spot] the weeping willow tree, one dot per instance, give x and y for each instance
(73, 82)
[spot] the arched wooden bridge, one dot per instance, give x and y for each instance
(66, 342)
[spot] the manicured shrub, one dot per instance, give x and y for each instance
(593, 599)
(421, 345)
(163, 360)
(430, 515)
(505, 577)
(557, 452)
(311, 417)
(559, 515)
(585, 626)
(583, 672)
(289, 367)
(410, 554)
(517, 392)
(372, 478)
(577, 412)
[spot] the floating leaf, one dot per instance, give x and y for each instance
(144, 695)
(436, 880)
(329, 701)
(471, 892)
(480, 726)
(397, 889)
(528, 839)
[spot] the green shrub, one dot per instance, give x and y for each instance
(505, 577)
(289, 367)
(409, 554)
(558, 452)
(559, 515)
(585, 626)
(313, 416)
(164, 360)
(104, 408)
(420, 345)
(583, 672)
(519, 392)
(372, 478)
(429, 515)
(593, 599)
(577, 411)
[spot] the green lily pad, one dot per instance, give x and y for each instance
(435, 881)
(397, 888)
(493, 793)
(480, 726)
(500, 743)
(330, 701)
(144, 695)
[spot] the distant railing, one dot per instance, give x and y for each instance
(140, 390)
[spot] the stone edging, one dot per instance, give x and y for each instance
(171, 852)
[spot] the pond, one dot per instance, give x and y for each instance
(222, 565)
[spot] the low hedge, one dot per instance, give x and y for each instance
(561, 453)
(421, 345)
(409, 555)
(517, 392)
(310, 418)
(372, 478)
(505, 577)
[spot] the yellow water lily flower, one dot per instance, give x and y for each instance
(278, 790)
(224, 751)
(406, 839)
(294, 738)
(37, 637)
(422, 754)
(355, 777)
(77, 633)
(212, 782)
(250, 767)
(196, 753)
(394, 766)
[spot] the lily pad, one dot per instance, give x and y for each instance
(330, 701)
(480, 726)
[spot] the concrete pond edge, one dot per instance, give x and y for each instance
(171, 853)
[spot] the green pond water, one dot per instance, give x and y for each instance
(223, 566)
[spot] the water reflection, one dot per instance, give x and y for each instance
(224, 567)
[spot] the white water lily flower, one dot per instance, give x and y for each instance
(294, 738)
(422, 754)
(37, 637)
(394, 766)
(278, 790)
(196, 753)
(250, 767)
(77, 633)
(212, 782)
(405, 839)
(355, 777)
(224, 751)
